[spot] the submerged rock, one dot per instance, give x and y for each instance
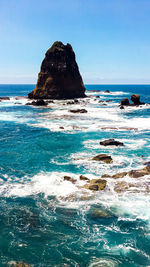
(18, 264)
(78, 110)
(103, 157)
(111, 142)
(96, 184)
(59, 77)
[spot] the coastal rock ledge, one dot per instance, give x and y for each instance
(59, 77)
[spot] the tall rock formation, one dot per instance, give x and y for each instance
(59, 77)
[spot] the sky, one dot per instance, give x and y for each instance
(111, 38)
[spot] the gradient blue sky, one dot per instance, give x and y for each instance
(111, 38)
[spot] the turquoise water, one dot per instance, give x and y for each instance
(46, 221)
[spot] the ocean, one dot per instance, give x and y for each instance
(48, 221)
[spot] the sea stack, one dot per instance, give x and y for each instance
(59, 77)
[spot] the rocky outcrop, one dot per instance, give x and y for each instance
(96, 184)
(136, 100)
(70, 179)
(132, 173)
(59, 77)
(103, 157)
(111, 142)
(84, 178)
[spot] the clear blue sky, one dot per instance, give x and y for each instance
(111, 38)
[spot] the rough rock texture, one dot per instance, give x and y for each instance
(96, 184)
(111, 142)
(59, 77)
(132, 173)
(39, 102)
(70, 179)
(103, 157)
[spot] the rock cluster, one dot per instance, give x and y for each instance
(59, 77)
(134, 98)
(111, 142)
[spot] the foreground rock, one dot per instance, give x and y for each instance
(103, 157)
(19, 264)
(59, 77)
(78, 110)
(96, 184)
(111, 142)
(70, 179)
(39, 102)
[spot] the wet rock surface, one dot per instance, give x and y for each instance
(103, 157)
(111, 142)
(59, 77)
(96, 184)
(39, 102)
(78, 110)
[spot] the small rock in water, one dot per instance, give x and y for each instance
(39, 102)
(70, 179)
(4, 98)
(107, 91)
(84, 178)
(103, 157)
(78, 110)
(121, 107)
(136, 99)
(111, 142)
(125, 102)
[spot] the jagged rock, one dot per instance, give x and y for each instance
(96, 184)
(4, 98)
(84, 178)
(111, 142)
(125, 102)
(78, 110)
(59, 77)
(39, 102)
(103, 157)
(70, 179)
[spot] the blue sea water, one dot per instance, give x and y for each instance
(46, 221)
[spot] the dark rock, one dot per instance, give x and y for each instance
(125, 102)
(84, 178)
(103, 157)
(135, 99)
(70, 102)
(111, 142)
(76, 101)
(59, 77)
(4, 98)
(70, 179)
(95, 91)
(61, 127)
(147, 163)
(108, 100)
(96, 184)
(121, 107)
(78, 110)
(101, 101)
(39, 102)
(107, 91)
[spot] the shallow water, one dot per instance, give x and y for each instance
(46, 221)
